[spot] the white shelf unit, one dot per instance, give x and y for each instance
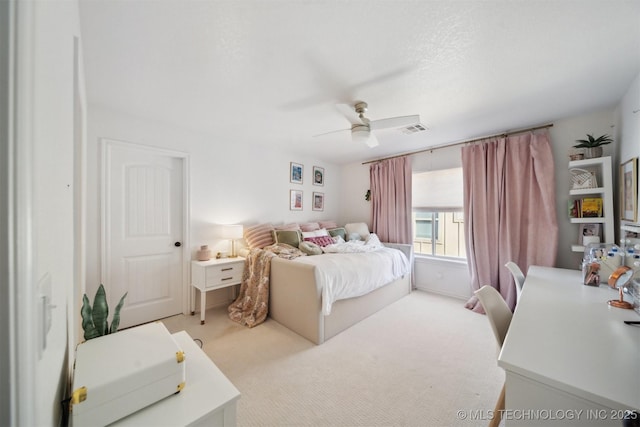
(601, 166)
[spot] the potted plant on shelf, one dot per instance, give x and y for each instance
(593, 146)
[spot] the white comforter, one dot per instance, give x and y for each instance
(347, 275)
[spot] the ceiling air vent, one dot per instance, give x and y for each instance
(414, 129)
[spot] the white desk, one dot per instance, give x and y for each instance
(208, 398)
(566, 349)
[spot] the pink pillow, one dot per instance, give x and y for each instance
(258, 236)
(328, 224)
(310, 226)
(321, 240)
(288, 227)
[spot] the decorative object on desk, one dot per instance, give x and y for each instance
(629, 190)
(94, 319)
(295, 173)
(318, 175)
(204, 254)
(318, 201)
(590, 276)
(593, 146)
(617, 280)
(295, 200)
(582, 178)
(119, 374)
(232, 232)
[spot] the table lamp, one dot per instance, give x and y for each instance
(232, 232)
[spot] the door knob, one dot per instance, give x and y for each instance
(177, 244)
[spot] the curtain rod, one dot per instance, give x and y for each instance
(468, 141)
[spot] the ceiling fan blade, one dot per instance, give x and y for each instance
(332, 132)
(395, 122)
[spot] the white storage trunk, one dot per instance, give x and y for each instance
(118, 374)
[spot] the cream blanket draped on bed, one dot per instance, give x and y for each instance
(252, 305)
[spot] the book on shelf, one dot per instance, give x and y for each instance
(588, 207)
(591, 207)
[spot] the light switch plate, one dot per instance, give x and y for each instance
(45, 297)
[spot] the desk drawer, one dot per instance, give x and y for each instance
(221, 275)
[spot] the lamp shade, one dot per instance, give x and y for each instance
(231, 231)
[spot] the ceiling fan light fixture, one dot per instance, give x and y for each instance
(362, 133)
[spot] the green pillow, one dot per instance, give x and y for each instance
(338, 232)
(290, 237)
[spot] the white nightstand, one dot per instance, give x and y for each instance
(213, 274)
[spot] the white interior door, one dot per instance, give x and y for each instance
(143, 232)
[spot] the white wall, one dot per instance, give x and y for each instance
(42, 232)
(6, 61)
(564, 133)
(230, 182)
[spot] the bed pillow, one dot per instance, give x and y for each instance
(258, 236)
(338, 232)
(310, 248)
(309, 226)
(315, 233)
(357, 228)
(290, 237)
(328, 224)
(320, 240)
(292, 226)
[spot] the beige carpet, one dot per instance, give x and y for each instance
(415, 363)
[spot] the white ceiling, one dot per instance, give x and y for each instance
(270, 72)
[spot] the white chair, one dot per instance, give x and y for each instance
(499, 316)
(518, 276)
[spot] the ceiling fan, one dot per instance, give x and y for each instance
(361, 126)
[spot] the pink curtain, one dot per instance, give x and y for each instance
(391, 199)
(509, 210)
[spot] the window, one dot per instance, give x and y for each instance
(438, 222)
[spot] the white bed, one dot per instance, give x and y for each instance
(309, 296)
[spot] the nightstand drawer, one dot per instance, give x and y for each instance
(224, 274)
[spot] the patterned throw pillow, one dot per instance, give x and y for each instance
(258, 236)
(320, 240)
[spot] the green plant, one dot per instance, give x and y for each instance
(593, 142)
(94, 319)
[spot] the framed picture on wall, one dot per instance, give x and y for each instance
(629, 190)
(589, 233)
(318, 175)
(295, 173)
(318, 201)
(295, 200)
